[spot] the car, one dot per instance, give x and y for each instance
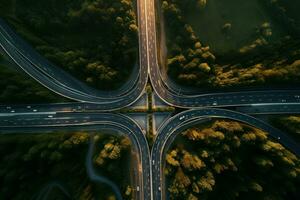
(182, 117)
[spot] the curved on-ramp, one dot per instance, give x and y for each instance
(175, 125)
(66, 85)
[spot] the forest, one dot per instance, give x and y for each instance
(269, 56)
(288, 123)
(16, 87)
(95, 41)
(225, 159)
(32, 162)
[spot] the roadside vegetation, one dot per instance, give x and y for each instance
(96, 41)
(225, 159)
(112, 156)
(16, 87)
(32, 162)
(219, 45)
(289, 124)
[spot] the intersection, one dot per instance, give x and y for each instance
(93, 108)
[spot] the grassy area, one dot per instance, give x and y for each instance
(96, 41)
(16, 87)
(32, 162)
(224, 159)
(243, 21)
(228, 45)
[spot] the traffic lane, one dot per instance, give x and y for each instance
(265, 109)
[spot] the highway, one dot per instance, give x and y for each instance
(62, 83)
(89, 112)
(33, 122)
(175, 125)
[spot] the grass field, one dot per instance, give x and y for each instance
(245, 19)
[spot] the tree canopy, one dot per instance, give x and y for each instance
(229, 160)
(31, 162)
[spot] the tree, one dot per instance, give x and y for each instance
(191, 162)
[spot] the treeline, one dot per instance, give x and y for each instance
(229, 160)
(95, 41)
(31, 162)
(192, 63)
(189, 61)
(289, 124)
(18, 88)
